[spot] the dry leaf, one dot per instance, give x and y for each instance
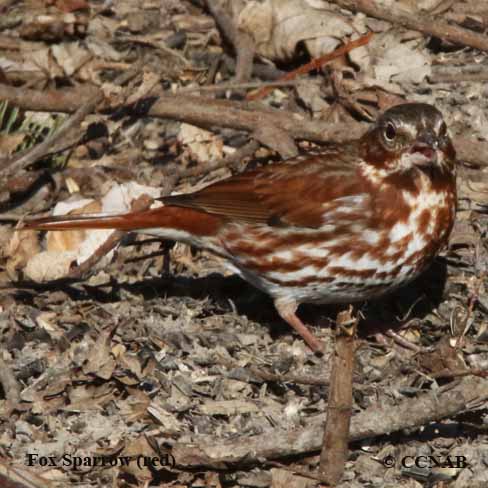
(10, 142)
(100, 361)
(139, 448)
(281, 478)
(72, 5)
(387, 61)
(61, 241)
(64, 248)
(277, 26)
(204, 146)
(70, 56)
(49, 265)
(22, 246)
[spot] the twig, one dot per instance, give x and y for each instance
(10, 217)
(197, 110)
(315, 64)
(225, 113)
(287, 378)
(242, 41)
(458, 77)
(239, 86)
(40, 150)
(259, 70)
(242, 116)
(339, 409)
(262, 374)
(57, 141)
(12, 476)
(67, 101)
(423, 23)
(9, 383)
(298, 472)
(377, 420)
(449, 374)
(232, 160)
(404, 342)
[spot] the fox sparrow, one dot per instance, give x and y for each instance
(343, 224)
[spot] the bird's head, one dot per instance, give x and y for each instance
(408, 136)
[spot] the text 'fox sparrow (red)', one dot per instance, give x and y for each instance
(342, 224)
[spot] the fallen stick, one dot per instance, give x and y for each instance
(426, 24)
(243, 43)
(223, 113)
(201, 111)
(316, 63)
(335, 447)
(9, 384)
(375, 421)
(16, 163)
(249, 116)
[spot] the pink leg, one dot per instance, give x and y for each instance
(287, 313)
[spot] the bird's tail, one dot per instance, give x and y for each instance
(187, 220)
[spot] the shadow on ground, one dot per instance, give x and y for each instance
(415, 300)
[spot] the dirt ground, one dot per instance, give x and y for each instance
(154, 366)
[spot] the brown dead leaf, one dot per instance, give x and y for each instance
(20, 476)
(100, 361)
(167, 420)
(49, 265)
(10, 142)
(72, 5)
(387, 61)
(50, 27)
(131, 363)
(443, 358)
(476, 190)
(70, 56)
(87, 398)
(138, 448)
(281, 478)
(22, 247)
(203, 145)
(71, 240)
(64, 248)
(277, 26)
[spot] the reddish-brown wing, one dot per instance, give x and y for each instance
(295, 192)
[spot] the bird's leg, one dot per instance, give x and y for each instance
(287, 313)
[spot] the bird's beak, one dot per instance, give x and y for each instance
(426, 146)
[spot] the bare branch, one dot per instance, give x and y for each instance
(375, 421)
(423, 23)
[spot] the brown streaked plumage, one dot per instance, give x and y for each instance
(344, 224)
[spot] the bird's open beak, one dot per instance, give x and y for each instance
(426, 148)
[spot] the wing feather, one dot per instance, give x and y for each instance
(295, 192)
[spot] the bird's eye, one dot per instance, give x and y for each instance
(442, 130)
(390, 132)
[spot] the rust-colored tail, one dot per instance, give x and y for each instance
(194, 222)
